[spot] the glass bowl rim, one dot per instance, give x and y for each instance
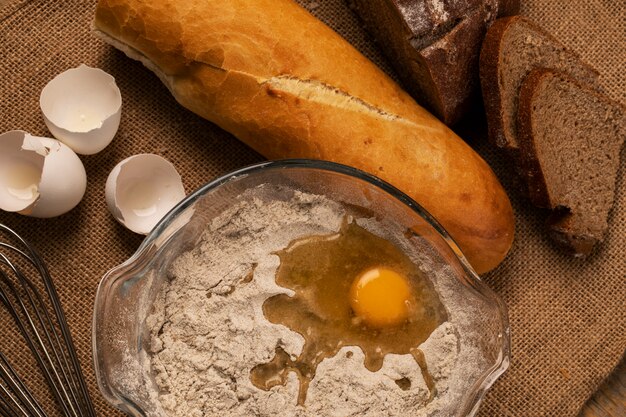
(113, 274)
(323, 165)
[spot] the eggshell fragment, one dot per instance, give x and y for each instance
(82, 108)
(141, 189)
(39, 177)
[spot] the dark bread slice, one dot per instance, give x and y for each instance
(570, 139)
(434, 46)
(508, 8)
(512, 48)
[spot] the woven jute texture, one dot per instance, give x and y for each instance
(568, 320)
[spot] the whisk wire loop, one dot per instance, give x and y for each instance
(45, 332)
(8, 374)
(34, 341)
(31, 291)
(14, 408)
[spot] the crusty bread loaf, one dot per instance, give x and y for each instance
(512, 48)
(288, 86)
(570, 139)
(434, 47)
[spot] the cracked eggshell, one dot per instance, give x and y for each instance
(82, 108)
(141, 189)
(39, 177)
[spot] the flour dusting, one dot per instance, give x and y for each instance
(207, 330)
(424, 16)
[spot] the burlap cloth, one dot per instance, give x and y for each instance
(568, 320)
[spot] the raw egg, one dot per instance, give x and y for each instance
(351, 288)
(381, 297)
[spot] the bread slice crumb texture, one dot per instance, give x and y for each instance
(570, 142)
(513, 47)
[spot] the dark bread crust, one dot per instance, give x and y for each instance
(560, 225)
(436, 55)
(488, 71)
(508, 8)
(384, 21)
(452, 63)
(529, 166)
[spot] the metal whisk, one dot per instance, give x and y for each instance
(40, 320)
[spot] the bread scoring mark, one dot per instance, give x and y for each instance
(276, 93)
(325, 94)
(322, 93)
(309, 90)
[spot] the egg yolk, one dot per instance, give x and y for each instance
(381, 297)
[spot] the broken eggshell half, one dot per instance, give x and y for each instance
(141, 190)
(82, 108)
(39, 177)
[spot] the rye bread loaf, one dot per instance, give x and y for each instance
(290, 87)
(570, 139)
(512, 48)
(434, 46)
(508, 7)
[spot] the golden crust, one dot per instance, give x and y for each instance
(288, 86)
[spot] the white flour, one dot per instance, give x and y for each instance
(208, 329)
(423, 16)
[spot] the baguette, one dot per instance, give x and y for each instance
(290, 87)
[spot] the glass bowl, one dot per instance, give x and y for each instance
(126, 293)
